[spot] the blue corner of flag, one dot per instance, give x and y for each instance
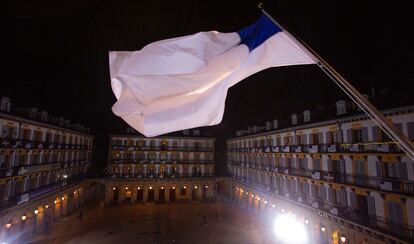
(254, 35)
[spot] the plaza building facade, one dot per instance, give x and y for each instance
(343, 176)
(160, 169)
(41, 157)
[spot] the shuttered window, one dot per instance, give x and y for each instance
(395, 212)
(410, 130)
(371, 206)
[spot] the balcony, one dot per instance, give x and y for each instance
(392, 185)
(298, 148)
(162, 176)
(286, 148)
(313, 148)
(377, 223)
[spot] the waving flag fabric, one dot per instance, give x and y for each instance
(182, 83)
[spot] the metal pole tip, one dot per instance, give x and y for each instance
(260, 5)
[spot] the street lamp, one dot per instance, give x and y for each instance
(36, 211)
(290, 230)
(343, 238)
(323, 228)
(8, 225)
(24, 217)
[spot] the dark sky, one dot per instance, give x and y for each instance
(55, 54)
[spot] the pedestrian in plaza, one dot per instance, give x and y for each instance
(80, 216)
(205, 221)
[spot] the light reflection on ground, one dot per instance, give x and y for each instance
(159, 223)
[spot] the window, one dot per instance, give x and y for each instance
(288, 140)
(314, 138)
(49, 137)
(303, 163)
(395, 212)
(332, 137)
(410, 130)
(357, 135)
(278, 141)
(294, 119)
(340, 107)
(306, 116)
(396, 170)
(316, 164)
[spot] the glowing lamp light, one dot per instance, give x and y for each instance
(206, 187)
(258, 198)
(114, 188)
(273, 205)
(56, 201)
(283, 210)
(306, 221)
(24, 217)
(185, 187)
(36, 211)
(252, 196)
(47, 206)
(8, 225)
(63, 198)
(126, 187)
(74, 192)
(195, 187)
(150, 187)
(343, 239)
(289, 230)
(173, 187)
(139, 188)
(265, 202)
(323, 228)
(162, 187)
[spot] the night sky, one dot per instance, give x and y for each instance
(55, 54)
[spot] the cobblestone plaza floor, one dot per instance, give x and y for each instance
(158, 223)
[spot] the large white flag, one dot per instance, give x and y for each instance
(182, 83)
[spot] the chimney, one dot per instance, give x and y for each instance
(43, 116)
(5, 105)
(294, 118)
(275, 124)
(306, 116)
(130, 130)
(340, 107)
(61, 121)
(67, 123)
(268, 125)
(33, 113)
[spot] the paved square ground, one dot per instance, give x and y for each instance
(158, 223)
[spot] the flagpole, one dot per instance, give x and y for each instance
(387, 126)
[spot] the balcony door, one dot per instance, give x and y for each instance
(338, 168)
